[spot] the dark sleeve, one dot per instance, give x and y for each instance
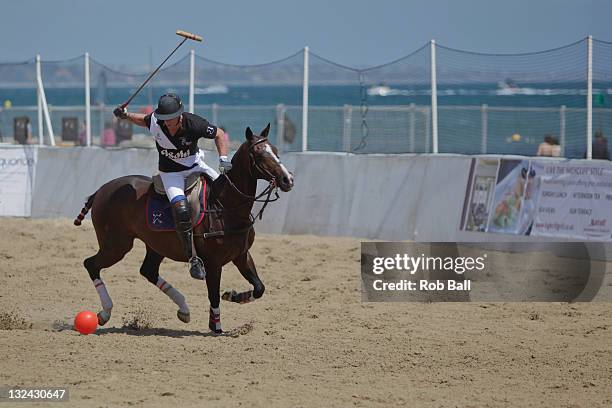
(147, 120)
(202, 128)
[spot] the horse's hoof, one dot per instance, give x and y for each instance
(183, 317)
(215, 328)
(103, 317)
(227, 295)
(258, 291)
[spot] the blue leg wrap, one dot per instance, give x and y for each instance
(177, 198)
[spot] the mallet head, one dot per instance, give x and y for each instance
(189, 35)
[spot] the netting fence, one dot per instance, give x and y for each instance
(482, 103)
(373, 118)
(237, 96)
(507, 103)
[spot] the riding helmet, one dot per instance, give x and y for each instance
(169, 107)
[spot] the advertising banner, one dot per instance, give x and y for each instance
(575, 201)
(539, 198)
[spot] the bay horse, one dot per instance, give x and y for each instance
(118, 213)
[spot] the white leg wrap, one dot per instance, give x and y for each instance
(214, 319)
(107, 303)
(176, 296)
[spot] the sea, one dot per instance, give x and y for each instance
(472, 118)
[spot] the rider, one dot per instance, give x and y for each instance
(176, 136)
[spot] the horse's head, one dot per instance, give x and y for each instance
(265, 161)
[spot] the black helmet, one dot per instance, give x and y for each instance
(169, 107)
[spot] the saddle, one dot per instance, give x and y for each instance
(159, 209)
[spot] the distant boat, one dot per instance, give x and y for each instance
(211, 90)
(384, 90)
(509, 87)
(379, 90)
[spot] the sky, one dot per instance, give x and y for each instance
(351, 32)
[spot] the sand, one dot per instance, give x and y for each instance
(309, 341)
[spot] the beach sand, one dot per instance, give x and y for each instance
(310, 341)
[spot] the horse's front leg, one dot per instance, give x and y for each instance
(213, 282)
(247, 269)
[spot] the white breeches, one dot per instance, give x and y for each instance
(174, 183)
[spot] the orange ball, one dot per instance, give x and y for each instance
(86, 322)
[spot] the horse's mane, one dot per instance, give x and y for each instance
(219, 184)
(239, 152)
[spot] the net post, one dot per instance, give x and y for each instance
(305, 102)
(280, 127)
(562, 129)
(484, 126)
(101, 109)
(41, 129)
(412, 127)
(43, 99)
(192, 81)
(427, 112)
(347, 114)
(589, 128)
(434, 98)
(215, 114)
(87, 101)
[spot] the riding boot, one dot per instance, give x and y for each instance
(182, 218)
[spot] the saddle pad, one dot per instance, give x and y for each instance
(159, 211)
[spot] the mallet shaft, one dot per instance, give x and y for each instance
(187, 36)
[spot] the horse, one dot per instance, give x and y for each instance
(118, 215)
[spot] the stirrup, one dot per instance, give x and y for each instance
(197, 270)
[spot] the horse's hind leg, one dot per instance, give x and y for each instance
(247, 269)
(150, 270)
(108, 255)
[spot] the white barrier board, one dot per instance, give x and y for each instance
(17, 170)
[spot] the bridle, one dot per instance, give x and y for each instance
(271, 188)
(249, 199)
(261, 170)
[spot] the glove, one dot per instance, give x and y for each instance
(224, 164)
(120, 112)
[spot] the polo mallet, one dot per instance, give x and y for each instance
(188, 36)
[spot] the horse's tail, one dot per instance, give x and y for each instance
(85, 210)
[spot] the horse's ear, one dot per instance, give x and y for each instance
(265, 132)
(249, 134)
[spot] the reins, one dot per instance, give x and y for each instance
(271, 188)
